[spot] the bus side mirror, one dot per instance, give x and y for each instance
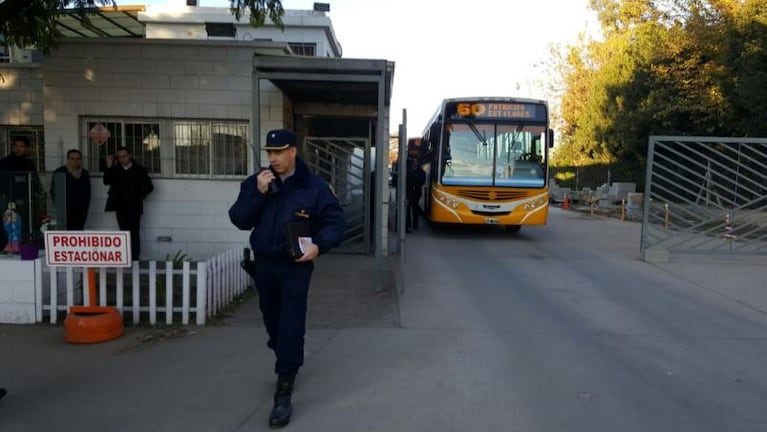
(550, 138)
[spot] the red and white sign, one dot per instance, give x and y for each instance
(99, 134)
(87, 248)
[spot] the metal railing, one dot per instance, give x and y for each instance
(705, 195)
(345, 164)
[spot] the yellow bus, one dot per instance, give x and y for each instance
(486, 161)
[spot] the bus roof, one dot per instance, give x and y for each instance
(493, 98)
(442, 104)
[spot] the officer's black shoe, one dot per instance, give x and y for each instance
(282, 410)
(2, 392)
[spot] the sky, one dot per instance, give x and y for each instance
(450, 48)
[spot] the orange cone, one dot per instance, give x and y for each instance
(566, 203)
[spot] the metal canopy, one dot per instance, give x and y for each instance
(103, 22)
(327, 80)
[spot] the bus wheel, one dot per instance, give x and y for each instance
(512, 229)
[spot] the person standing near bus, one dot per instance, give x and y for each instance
(267, 202)
(74, 182)
(415, 179)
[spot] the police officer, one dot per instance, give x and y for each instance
(268, 201)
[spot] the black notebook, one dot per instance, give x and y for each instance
(296, 230)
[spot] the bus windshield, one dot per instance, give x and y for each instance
(492, 154)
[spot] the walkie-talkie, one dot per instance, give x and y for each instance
(274, 187)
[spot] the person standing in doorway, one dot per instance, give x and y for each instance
(129, 184)
(267, 202)
(74, 182)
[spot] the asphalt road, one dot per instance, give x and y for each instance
(563, 328)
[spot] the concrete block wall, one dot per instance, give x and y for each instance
(150, 79)
(17, 291)
(144, 79)
(193, 213)
(21, 94)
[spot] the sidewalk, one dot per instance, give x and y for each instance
(212, 378)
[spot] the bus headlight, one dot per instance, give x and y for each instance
(454, 204)
(535, 204)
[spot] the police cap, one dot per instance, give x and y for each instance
(279, 139)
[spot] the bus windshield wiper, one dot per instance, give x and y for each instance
(480, 136)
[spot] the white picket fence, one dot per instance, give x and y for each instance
(155, 289)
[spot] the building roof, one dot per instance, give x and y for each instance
(131, 21)
(103, 22)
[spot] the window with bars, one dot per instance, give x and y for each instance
(172, 148)
(140, 138)
(302, 48)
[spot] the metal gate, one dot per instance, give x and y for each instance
(705, 195)
(346, 164)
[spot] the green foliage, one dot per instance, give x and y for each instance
(33, 23)
(259, 10)
(27, 23)
(177, 259)
(178, 263)
(674, 67)
(595, 175)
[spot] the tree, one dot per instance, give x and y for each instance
(26, 23)
(665, 67)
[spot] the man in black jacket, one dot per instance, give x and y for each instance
(129, 184)
(18, 160)
(71, 192)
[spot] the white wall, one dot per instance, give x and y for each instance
(180, 22)
(17, 291)
(193, 213)
(21, 94)
(140, 78)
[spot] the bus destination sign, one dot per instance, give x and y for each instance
(496, 110)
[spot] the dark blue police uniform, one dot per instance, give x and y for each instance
(282, 283)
